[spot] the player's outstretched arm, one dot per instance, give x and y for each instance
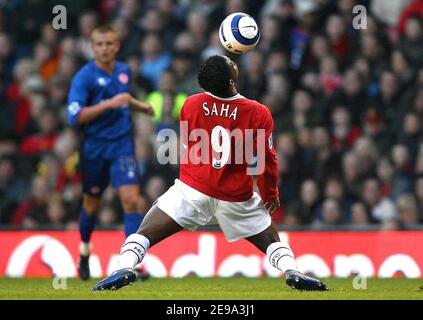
(92, 112)
(267, 182)
(142, 106)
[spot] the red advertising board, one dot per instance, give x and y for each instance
(207, 254)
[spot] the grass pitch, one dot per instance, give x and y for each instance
(193, 288)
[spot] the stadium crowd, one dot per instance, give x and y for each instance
(347, 103)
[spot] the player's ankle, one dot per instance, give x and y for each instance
(85, 249)
(290, 272)
(133, 251)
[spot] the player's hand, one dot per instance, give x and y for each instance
(272, 205)
(119, 100)
(142, 106)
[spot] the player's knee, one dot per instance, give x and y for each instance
(130, 202)
(91, 205)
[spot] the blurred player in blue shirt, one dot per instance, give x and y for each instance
(98, 104)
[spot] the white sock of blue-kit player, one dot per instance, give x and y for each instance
(133, 251)
(280, 256)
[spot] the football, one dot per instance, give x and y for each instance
(239, 33)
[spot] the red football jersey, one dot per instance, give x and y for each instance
(225, 140)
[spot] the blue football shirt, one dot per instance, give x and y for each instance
(92, 85)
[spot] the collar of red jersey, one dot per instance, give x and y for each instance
(237, 96)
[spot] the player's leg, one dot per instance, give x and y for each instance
(95, 178)
(130, 200)
(282, 257)
(155, 227)
(181, 207)
(87, 221)
(251, 221)
(124, 174)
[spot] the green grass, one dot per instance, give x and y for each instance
(210, 289)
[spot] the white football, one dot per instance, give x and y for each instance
(239, 33)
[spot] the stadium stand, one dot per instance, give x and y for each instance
(347, 104)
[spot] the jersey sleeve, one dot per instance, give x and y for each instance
(184, 134)
(78, 97)
(267, 182)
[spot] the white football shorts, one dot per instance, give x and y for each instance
(191, 208)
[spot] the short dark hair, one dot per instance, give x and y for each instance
(214, 76)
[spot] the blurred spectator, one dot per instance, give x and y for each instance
(412, 39)
(86, 24)
(386, 173)
(45, 137)
(47, 62)
(279, 85)
(289, 167)
(408, 209)
(326, 161)
(388, 11)
(141, 85)
(344, 133)
(309, 200)
(387, 100)
(338, 38)
(415, 7)
(360, 215)
(403, 170)
(334, 189)
(23, 69)
(166, 101)
(374, 128)
(418, 190)
(382, 208)
(253, 80)
(402, 67)
(32, 210)
(56, 214)
(411, 134)
(277, 62)
(7, 58)
(329, 74)
(154, 58)
(128, 41)
(155, 187)
(12, 188)
(353, 173)
(319, 49)
(129, 9)
(366, 151)
(303, 114)
(198, 27)
(184, 68)
(372, 49)
(331, 214)
(351, 94)
(214, 47)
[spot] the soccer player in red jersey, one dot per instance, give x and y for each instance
(215, 186)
